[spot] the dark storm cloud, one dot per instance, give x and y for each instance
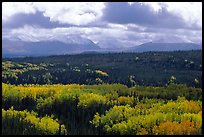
(38, 19)
(124, 13)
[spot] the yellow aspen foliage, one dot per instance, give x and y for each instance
(89, 99)
(174, 128)
(31, 123)
(102, 73)
(143, 131)
(122, 100)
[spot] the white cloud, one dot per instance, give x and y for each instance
(127, 37)
(117, 26)
(29, 33)
(191, 12)
(156, 6)
(76, 13)
(82, 13)
(11, 8)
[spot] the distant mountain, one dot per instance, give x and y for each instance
(170, 39)
(74, 44)
(17, 48)
(152, 46)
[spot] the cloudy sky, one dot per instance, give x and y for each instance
(118, 24)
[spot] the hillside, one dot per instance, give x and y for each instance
(103, 94)
(147, 69)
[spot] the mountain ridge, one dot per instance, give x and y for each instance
(45, 48)
(77, 45)
(153, 46)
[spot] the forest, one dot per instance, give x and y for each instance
(145, 69)
(150, 93)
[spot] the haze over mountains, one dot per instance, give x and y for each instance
(54, 46)
(77, 44)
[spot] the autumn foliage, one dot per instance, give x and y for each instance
(106, 109)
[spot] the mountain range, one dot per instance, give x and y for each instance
(16, 48)
(151, 46)
(78, 44)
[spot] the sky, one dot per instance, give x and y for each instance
(108, 24)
